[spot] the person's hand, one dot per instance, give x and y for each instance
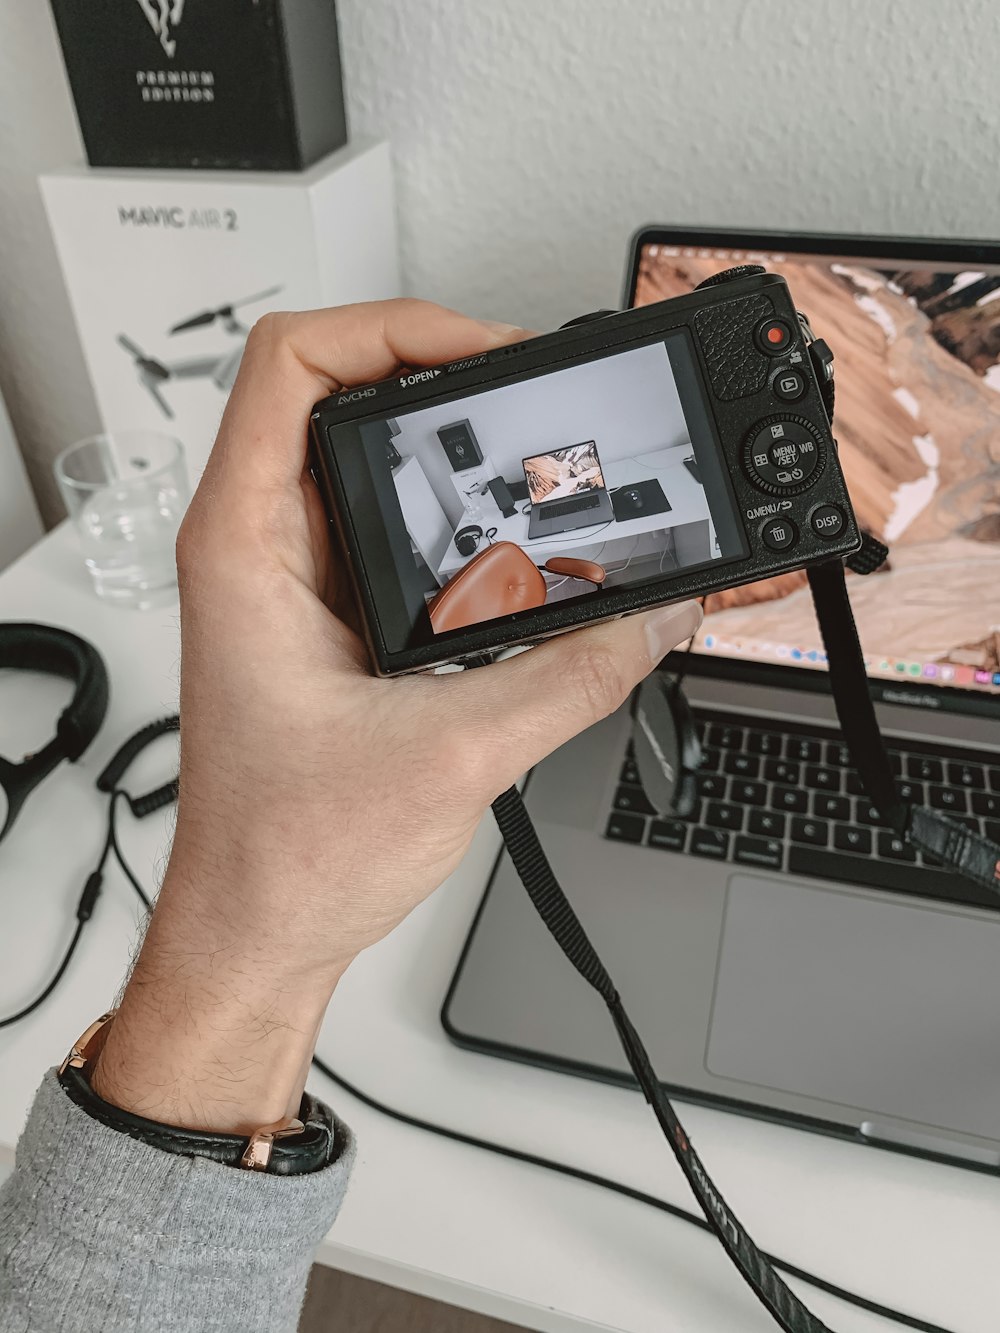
(318, 803)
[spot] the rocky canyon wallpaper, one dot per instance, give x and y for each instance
(917, 362)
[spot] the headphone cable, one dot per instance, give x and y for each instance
(84, 911)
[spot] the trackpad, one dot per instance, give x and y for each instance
(879, 1005)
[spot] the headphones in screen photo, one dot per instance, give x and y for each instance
(467, 539)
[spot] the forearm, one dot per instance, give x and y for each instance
(99, 1231)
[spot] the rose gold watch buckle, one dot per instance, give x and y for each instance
(257, 1155)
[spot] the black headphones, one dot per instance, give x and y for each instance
(27, 647)
(467, 539)
(57, 652)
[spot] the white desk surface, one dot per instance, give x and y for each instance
(686, 497)
(433, 1217)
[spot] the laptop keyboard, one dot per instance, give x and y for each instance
(786, 798)
(557, 508)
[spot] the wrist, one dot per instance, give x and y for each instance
(210, 1034)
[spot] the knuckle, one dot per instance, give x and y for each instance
(598, 676)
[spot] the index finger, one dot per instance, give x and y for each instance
(291, 360)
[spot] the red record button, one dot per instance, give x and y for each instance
(774, 336)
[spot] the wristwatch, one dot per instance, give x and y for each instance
(290, 1147)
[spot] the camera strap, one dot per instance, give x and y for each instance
(946, 839)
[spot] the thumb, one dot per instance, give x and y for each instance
(534, 702)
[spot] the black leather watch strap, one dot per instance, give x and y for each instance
(310, 1150)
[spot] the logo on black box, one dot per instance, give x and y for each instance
(164, 18)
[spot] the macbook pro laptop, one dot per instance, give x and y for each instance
(780, 952)
(566, 490)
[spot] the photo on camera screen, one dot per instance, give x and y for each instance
(917, 364)
(553, 489)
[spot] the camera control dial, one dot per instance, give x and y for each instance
(784, 455)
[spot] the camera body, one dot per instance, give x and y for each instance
(691, 431)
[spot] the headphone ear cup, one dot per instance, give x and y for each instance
(665, 745)
(468, 538)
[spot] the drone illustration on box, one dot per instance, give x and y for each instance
(219, 367)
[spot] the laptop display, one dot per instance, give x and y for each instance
(563, 473)
(917, 361)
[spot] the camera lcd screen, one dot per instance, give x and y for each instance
(606, 474)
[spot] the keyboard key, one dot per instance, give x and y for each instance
(694, 814)
(741, 765)
(895, 848)
(755, 793)
(634, 799)
(710, 842)
(726, 738)
(823, 779)
(781, 770)
(802, 748)
(723, 816)
(711, 784)
(763, 742)
(668, 834)
(625, 828)
(986, 803)
(949, 798)
(993, 778)
(790, 798)
(838, 755)
(850, 838)
(630, 774)
(815, 832)
(900, 877)
(767, 822)
(896, 762)
(914, 792)
(924, 768)
(711, 761)
(831, 807)
(970, 776)
(991, 827)
(853, 785)
(758, 852)
(866, 814)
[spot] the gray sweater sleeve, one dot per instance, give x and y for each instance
(99, 1231)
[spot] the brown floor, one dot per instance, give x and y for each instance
(339, 1303)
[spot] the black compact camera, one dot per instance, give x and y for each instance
(640, 458)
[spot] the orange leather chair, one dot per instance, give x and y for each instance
(499, 581)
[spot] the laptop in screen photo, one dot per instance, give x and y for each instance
(566, 490)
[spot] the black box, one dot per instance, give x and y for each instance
(247, 84)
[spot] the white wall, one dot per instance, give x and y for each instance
(626, 404)
(531, 136)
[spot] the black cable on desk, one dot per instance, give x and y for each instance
(640, 1196)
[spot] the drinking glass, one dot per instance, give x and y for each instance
(126, 493)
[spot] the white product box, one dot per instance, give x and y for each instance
(20, 525)
(167, 271)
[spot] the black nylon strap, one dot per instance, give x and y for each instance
(553, 907)
(967, 853)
